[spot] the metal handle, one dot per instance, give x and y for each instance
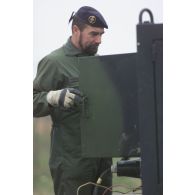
(150, 14)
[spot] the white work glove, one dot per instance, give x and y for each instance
(65, 98)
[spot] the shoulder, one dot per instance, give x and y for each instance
(54, 58)
(56, 54)
(57, 60)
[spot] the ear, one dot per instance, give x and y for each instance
(75, 29)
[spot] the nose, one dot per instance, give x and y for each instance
(98, 39)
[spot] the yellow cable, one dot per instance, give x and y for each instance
(88, 183)
(108, 188)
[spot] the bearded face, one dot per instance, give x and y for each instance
(88, 39)
(88, 47)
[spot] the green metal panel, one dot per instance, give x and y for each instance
(109, 115)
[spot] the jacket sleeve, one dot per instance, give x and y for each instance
(47, 79)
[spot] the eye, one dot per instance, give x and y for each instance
(94, 33)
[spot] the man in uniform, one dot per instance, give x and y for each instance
(56, 93)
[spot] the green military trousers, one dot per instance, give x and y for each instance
(64, 185)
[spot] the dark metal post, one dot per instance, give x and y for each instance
(150, 103)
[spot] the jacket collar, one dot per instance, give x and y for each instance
(71, 50)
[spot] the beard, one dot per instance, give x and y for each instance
(90, 49)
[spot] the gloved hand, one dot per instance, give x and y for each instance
(65, 98)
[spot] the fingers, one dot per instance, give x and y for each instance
(75, 95)
(68, 102)
(78, 99)
(75, 91)
(70, 97)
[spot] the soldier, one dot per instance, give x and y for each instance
(56, 93)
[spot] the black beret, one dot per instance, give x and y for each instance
(91, 17)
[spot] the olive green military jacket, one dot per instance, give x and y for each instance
(56, 71)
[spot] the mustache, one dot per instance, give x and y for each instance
(94, 45)
(91, 49)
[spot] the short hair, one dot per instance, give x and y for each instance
(79, 22)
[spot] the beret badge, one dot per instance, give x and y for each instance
(92, 19)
